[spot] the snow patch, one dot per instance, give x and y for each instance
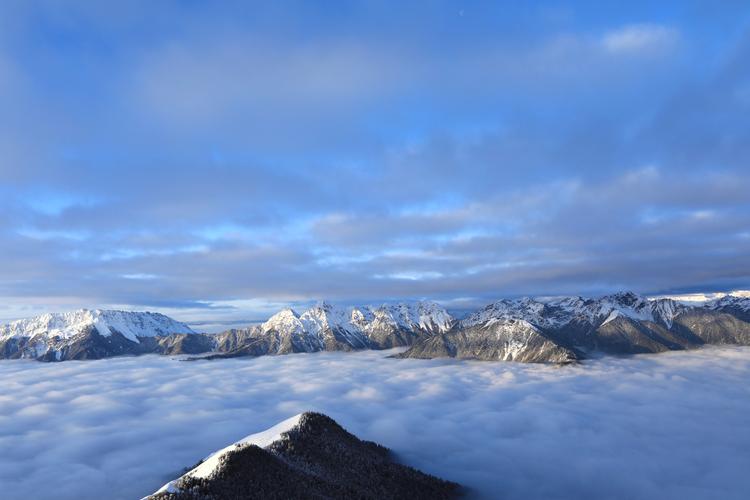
(211, 463)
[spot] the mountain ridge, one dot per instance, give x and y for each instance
(306, 456)
(557, 330)
(569, 329)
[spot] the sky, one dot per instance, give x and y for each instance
(220, 160)
(671, 426)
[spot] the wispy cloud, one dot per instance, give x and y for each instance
(641, 38)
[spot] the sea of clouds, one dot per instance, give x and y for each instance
(668, 426)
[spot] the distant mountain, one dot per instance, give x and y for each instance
(568, 329)
(329, 328)
(306, 456)
(559, 330)
(97, 334)
(738, 306)
(86, 334)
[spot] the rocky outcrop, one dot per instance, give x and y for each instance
(306, 456)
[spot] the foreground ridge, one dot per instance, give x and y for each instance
(306, 456)
(556, 330)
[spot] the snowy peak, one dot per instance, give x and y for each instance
(285, 320)
(355, 323)
(106, 322)
(560, 311)
(740, 302)
(325, 316)
(306, 456)
(625, 304)
(422, 315)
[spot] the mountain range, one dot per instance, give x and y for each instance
(568, 329)
(556, 330)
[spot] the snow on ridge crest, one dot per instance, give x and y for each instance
(211, 463)
(741, 302)
(323, 316)
(68, 324)
(556, 312)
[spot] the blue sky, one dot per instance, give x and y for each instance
(220, 159)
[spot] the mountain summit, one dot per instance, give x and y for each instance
(305, 456)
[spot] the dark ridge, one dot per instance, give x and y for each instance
(315, 459)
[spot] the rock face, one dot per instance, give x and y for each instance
(568, 329)
(306, 456)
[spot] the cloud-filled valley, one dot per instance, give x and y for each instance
(670, 426)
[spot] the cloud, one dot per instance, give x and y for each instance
(201, 81)
(290, 154)
(579, 236)
(670, 426)
(640, 38)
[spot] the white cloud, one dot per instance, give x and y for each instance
(638, 38)
(669, 426)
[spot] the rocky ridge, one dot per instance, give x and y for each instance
(306, 456)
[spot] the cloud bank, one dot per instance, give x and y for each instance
(669, 426)
(190, 157)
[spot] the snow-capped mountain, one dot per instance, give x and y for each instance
(426, 316)
(328, 327)
(558, 312)
(305, 456)
(559, 330)
(130, 325)
(565, 329)
(86, 334)
(737, 305)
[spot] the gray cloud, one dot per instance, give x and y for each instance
(670, 426)
(626, 231)
(240, 156)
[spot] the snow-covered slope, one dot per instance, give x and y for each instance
(325, 326)
(66, 325)
(211, 463)
(558, 312)
(740, 302)
(567, 328)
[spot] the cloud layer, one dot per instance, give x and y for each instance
(671, 426)
(191, 157)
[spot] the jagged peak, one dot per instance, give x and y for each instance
(625, 297)
(285, 319)
(554, 312)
